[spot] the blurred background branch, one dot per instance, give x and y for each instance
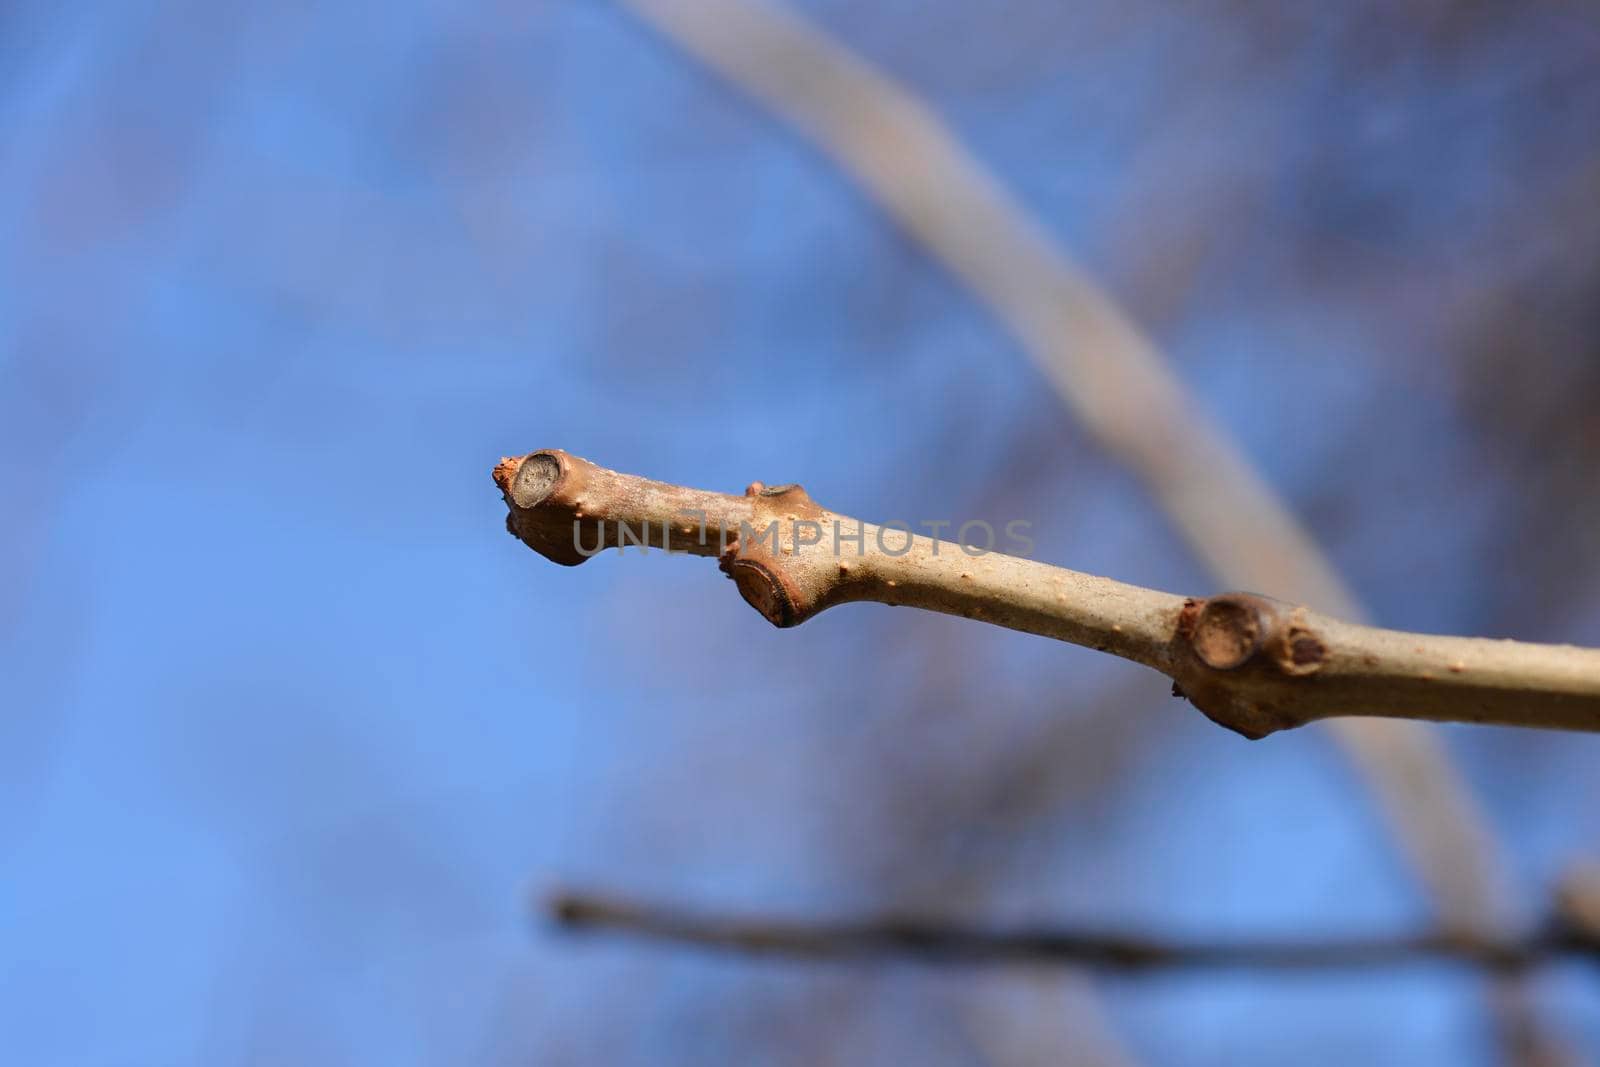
(890, 937)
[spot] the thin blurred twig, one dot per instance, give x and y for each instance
(943, 942)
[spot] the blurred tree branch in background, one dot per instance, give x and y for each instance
(945, 942)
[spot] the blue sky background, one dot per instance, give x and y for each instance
(292, 734)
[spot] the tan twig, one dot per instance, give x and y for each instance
(1107, 373)
(943, 942)
(1252, 664)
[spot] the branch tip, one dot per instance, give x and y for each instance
(536, 476)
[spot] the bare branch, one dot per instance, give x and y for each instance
(935, 941)
(1250, 663)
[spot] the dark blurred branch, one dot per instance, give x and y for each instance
(1250, 663)
(942, 942)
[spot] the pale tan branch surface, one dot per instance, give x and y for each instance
(1107, 372)
(943, 942)
(1250, 663)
